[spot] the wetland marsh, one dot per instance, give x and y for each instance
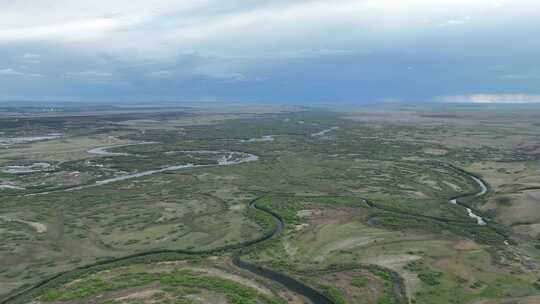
(346, 206)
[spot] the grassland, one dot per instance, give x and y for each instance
(181, 282)
(365, 205)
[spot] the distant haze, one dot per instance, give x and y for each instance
(271, 51)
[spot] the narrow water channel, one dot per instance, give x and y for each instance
(483, 190)
(290, 283)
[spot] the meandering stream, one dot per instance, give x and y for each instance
(224, 161)
(483, 190)
(228, 159)
(323, 132)
(290, 283)
(239, 249)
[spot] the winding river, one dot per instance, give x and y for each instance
(227, 160)
(323, 132)
(239, 249)
(224, 161)
(288, 282)
(483, 190)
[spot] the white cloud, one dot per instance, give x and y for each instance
(233, 41)
(160, 74)
(13, 72)
(35, 13)
(31, 56)
(455, 22)
(168, 26)
(10, 72)
(314, 53)
(93, 76)
(73, 30)
(492, 98)
(66, 20)
(521, 76)
(89, 74)
(229, 77)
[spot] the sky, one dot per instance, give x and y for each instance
(301, 51)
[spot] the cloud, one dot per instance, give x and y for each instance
(13, 72)
(230, 77)
(314, 53)
(10, 72)
(294, 49)
(217, 73)
(160, 74)
(73, 30)
(520, 77)
(195, 23)
(455, 22)
(492, 98)
(93, 77)
(75, 21)
(30, 56)
(89, 74)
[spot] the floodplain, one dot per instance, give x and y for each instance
(354, 204)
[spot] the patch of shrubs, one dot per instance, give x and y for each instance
(425, 274)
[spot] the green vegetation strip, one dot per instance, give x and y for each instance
(234, 292)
